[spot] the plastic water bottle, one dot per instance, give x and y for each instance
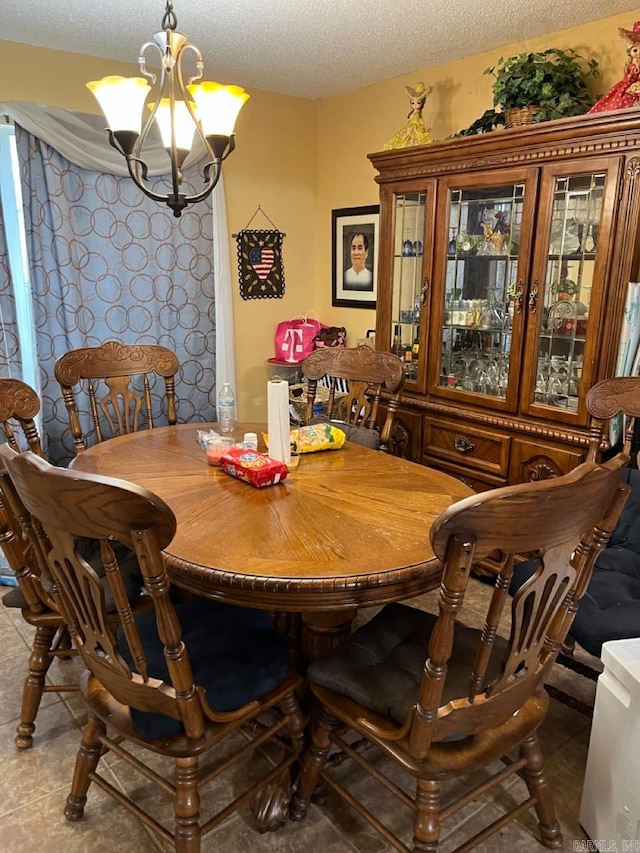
(226, 408)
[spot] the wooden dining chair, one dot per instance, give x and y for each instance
(19, 405)
(442, 700)
(606, 400)
(610, 608)
(368, 373)
(132, 399)
(175, 681)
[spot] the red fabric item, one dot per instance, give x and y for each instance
(626, 92)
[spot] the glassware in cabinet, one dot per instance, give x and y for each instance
(480, 287)
(408, 281)
(564, 296)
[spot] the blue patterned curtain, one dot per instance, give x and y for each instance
(9, 345)
(107, 263)
(10, 366)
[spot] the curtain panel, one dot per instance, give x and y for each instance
(10, 367)
(107, 263)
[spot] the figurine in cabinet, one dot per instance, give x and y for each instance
(625, 93)
(415, 131)
(495, 231)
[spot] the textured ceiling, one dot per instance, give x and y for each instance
(309, 48)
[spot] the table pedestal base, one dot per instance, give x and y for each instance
(323, 630)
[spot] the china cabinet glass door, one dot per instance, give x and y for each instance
(481, 291)
(409, 284)
(561, 294)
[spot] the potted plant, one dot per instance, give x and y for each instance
(542, 86)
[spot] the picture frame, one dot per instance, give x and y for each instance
(354, 256)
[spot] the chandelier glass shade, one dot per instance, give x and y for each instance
(182, 110)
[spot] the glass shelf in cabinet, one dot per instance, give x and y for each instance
(464, 256)
(572, 256)
(460, 326)
(563, 336)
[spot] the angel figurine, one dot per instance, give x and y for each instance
(415, 131)
(625, 93)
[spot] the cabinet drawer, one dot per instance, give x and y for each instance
(479, 449)
(532, 461)
(476, 480)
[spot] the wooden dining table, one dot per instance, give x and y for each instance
(346, 529)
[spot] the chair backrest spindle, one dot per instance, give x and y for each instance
(122, 409)
(566, 522)
(368, 374)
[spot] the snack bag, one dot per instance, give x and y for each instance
(253, 467)
(309, 439)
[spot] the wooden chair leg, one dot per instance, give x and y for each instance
(86, 763)
(187, 806)
(39, 663)
(313, 761)
(65, 642)
(296, 722)
(538, 786)
(426, 824)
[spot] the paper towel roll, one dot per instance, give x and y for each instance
(278, 420)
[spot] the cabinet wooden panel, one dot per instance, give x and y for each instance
(536, 461)
(504, 261)
(471, 478)
(406, 433)
(466, 445)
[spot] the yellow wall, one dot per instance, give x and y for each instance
(274, 166)
(461, 93)
(300, 159)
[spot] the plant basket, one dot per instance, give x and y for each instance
(516, 116)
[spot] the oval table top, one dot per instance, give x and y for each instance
(346, 528)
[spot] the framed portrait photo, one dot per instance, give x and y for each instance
(354, 253)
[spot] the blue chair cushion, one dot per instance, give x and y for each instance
(627, 530)
(235, 654)
(89, 551)
(610, 607)
(380, 666)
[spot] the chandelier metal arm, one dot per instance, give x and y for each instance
(172, 107)
(176, 201)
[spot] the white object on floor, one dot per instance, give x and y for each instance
(610, 809)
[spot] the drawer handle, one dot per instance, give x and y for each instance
(463, 445)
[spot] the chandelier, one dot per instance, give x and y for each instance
(180, 110)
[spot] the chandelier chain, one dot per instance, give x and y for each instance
(169, 19)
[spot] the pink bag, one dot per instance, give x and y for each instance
(294, 338)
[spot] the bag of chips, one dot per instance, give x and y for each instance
(309, 439)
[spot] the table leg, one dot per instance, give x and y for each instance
(323, 630)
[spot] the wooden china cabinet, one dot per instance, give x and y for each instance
(503, 268)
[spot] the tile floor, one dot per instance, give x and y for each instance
(34, 783)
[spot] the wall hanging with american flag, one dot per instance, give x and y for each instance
(260, 261)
